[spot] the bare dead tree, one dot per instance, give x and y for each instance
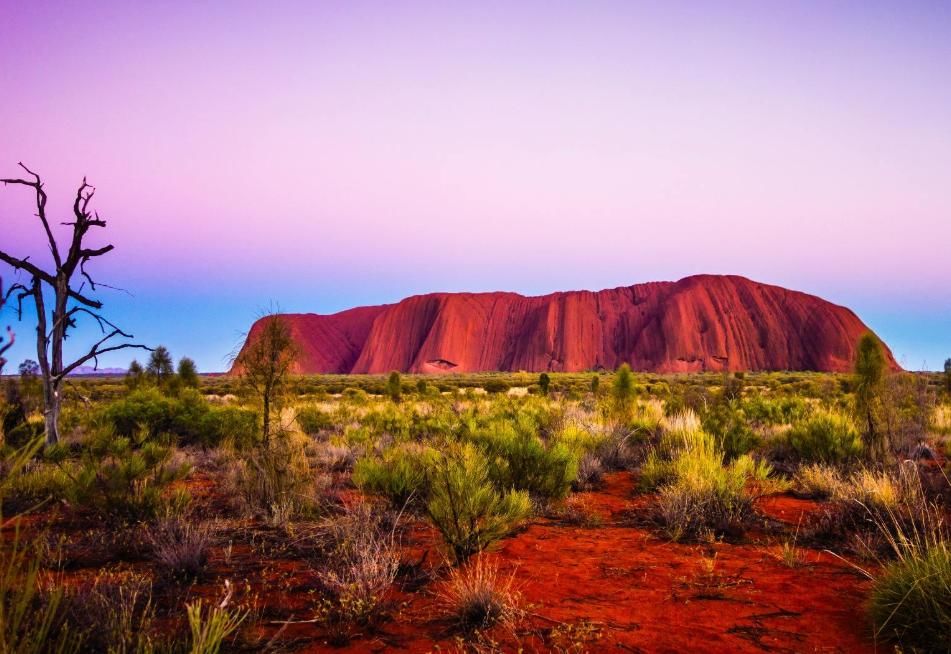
(68, 302)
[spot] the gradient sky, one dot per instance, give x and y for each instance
(325, 155)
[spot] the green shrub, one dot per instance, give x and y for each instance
(704, 494)
(697, 492)
(655, 472)
(313, 420)
(495, 386)
(728, 426)
(465, 506)
(826, 436)
(394, 386)
(400, 475)
(519, 459)
(187, 419)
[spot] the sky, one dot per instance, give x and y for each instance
(323, 155)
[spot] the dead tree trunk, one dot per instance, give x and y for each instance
(68, 303)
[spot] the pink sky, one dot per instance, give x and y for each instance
(326, 155)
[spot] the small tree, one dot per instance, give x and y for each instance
(134, 376)
(622, 390)
(188, 373)
(544, 382)
(869, 379)
(159, 368)
(947, 375)
(394, 386)
(265, 364)
(595, 384)
(31, 386)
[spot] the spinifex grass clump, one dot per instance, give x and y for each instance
(911, 599)
(465, 506)
(697, 492)
(180, 547)
(476, 596)
(911, 595)
(29, 618)
(275, 479)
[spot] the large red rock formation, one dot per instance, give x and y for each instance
(705, 322)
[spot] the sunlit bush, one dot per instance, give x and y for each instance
(826, 436)
(465, 506)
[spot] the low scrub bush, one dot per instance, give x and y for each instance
(400, 475)
(30, 618)
(360, 566)
(465, 506)
(120, 481)
(818, 481)
(911, 599)
(313, 420)
(826, 436)
(731, 431)
(697, 491)
(275, 480)
(941, 419)
(519, 459)
(188, 419)
(590, 473)
(113, 613)
(706, 495)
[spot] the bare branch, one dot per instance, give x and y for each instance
(99, 319)
(37, 186)
(96, 352)
(24, 264)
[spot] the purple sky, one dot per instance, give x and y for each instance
(324, 155)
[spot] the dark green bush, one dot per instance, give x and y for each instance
(495, 386)
(519, 459)
(730, 430)
(187, 419)
(313, 420)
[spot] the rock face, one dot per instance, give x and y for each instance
(700, 323)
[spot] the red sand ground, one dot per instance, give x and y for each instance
(619, 588)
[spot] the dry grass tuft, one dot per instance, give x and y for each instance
(476, 596)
